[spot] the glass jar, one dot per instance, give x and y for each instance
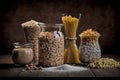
(89, 48)
(71, 53)
(31, 31)
(22, 54)
(51, 45)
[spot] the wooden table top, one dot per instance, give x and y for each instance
(10, 70)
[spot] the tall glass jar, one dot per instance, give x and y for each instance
(22, 53)
(89, 48)
(51, 45)
(32, 30)
(71, 53)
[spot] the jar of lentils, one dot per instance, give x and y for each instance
(89, 48)
(51, 45)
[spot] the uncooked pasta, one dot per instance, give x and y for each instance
(70, 24)
(71, 50)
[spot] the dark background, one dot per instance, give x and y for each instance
(100, 15)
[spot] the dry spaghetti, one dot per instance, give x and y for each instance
(71, 51)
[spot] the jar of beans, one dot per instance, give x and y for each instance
(51, 45)
(89, 48)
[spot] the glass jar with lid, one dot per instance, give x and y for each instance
(22, 53)
(51, 45)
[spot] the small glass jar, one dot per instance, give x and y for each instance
(22, 54)
(51, 45)
(89, 48)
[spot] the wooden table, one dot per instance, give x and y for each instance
(10, 70)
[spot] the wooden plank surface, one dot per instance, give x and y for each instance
(86, 73)
(13, 71)
(106, 72)
(9, 70)
(58, 73)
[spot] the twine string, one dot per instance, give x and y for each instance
(68, 38)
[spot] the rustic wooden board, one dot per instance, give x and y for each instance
(9, 70)
(106, 72)
(37, 73)
(84, 72)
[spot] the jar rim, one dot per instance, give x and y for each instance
(41, 24)
(20, 44)
(89, 35)
(50, 26)
(77, 15)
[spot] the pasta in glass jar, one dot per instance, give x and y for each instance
(89, 46)
(51, 45)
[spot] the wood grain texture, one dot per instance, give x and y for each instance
(10, 70)
(106, 72)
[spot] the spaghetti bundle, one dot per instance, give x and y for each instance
(71, 51)
(70, 24)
